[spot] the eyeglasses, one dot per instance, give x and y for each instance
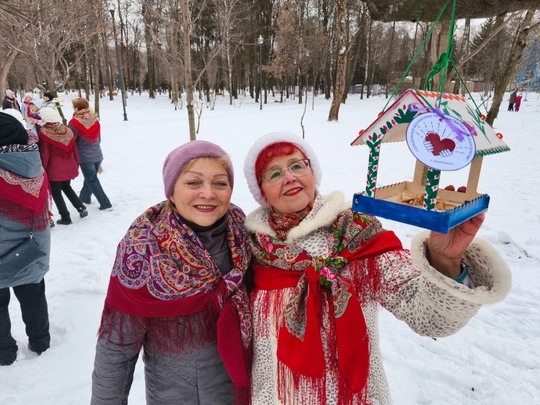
(298, 168)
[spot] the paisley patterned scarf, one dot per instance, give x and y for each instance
(87, 124)
(57, 134)
(355, 239)
(162, 270)
(283, 223)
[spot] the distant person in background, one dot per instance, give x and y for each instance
(48, 100)
(10, 101)
(60, 158)
(512, 100)
(517, 105)
(25, 107)
(33, 120)
(176, 291)
(87, 131)
(24, 195)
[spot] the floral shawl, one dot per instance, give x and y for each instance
(163, 271)
(57, 134)
(87, 125)
(354, 239)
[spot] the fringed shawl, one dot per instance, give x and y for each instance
(87, 125)
(163, 271)
(301, 361)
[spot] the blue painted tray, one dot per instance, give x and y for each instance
(439, 221)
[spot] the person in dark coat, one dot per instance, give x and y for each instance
(177, 292)
(512, 100)
(60, 159)
(49, 100)
(87, 131)
(10, 101)
(23, 212)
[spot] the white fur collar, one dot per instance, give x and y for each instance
(325, 210)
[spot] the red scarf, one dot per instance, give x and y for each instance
(162, 271)
(57, 134)
(87, 124)
(25, 200)
(300, 348)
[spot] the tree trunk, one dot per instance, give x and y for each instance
(389, 60)
(4, 70)
(108, 67)
(463, 49)
(439, 42)
(186, 19)
(342, 55)
(513, 60)
(86, 72)
(97, 84)
(149, 51)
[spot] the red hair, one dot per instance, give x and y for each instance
(271, 151)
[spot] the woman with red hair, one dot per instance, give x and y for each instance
(321, 271)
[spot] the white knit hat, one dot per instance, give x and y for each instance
(14, 113)
(49, 115)
(269, 139)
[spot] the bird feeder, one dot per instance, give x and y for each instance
(443, 133)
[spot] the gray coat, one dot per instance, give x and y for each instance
(26, 164)
(194, 377)
(88, 152)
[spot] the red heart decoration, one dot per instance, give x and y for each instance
(440, 144)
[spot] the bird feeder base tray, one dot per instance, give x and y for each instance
(439, 221)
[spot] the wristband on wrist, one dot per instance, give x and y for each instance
(464, 272)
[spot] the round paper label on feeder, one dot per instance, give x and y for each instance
(440, 142)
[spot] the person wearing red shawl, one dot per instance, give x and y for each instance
(24, 198)
(176, 291)
(60, 159)
(87, 131)
(321, 271)
(25, 106)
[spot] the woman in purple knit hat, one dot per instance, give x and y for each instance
(176, 291)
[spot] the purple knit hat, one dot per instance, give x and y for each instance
(181, 156)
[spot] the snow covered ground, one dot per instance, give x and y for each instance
(495, 360)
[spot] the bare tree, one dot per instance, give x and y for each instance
(345, 37)
(186, 20)
(287, 45)
(520, 41)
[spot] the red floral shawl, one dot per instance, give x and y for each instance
(57, 134)
(163, 270)
(300, 352)
(87, 125)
